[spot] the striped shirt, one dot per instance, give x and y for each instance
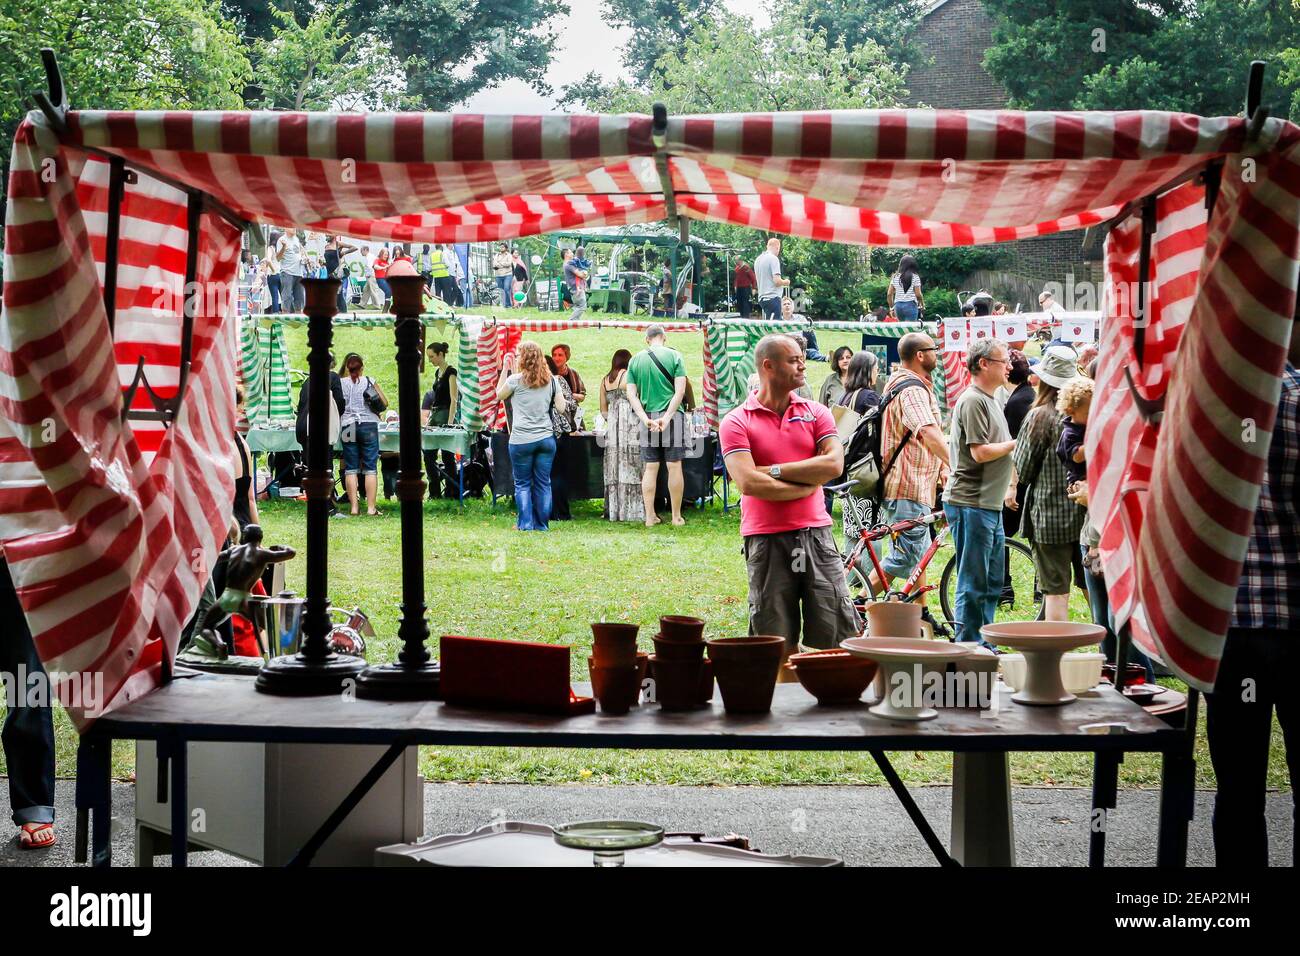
(1269, 593)
(915, 474)
(1050, 516)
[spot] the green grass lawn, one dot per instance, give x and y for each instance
(484, 578)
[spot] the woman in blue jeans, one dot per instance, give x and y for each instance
(532, 392)
(359, 431)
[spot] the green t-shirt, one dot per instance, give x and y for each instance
(652, 386)
(977, 420)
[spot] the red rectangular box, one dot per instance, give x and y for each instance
(509, 675)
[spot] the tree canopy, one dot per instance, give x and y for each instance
(1188, 55)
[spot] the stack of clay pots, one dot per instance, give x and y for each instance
(746, 669)
(617, 668)
(683, 678)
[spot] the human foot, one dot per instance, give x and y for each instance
(37, 836)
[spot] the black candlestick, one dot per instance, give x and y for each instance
(316, 669)
(415, 674)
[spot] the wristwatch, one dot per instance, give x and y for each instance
(774, 471)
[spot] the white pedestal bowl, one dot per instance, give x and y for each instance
(1043, 643)
(904, 654)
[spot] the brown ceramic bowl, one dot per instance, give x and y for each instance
(833, 677)
(675, 627)
(678, 650)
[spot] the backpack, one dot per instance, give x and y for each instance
(865, 467)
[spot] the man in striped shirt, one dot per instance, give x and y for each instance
(1261, 655)
(911, 431)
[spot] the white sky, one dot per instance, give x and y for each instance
(585, 43)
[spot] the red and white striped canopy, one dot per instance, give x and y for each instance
(109, 527)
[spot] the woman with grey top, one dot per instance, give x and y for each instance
(532, 392)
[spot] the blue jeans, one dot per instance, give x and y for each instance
(906, 311)
(531, 464)
(28, 731)
(979, 540)
(362, 454)
(273, 284)
(506, 284)
(1099, 602)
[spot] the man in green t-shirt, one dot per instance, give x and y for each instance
(656, 383)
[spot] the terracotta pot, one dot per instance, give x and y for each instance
(615, 651)
(706, 682)
(746, 670)
(679, 650)
(604, 631)
(893, 619)
(642, 672)
(677, 683)
(674, 627)
(833, 677)
(616, 688)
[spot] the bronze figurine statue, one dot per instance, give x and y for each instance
(245, 563)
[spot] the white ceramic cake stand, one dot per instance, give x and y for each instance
(911, 656)
(1043, 643)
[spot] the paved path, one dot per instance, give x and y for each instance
(862, 825)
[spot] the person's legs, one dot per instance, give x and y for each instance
(579, 304)
(273, 284)
(368, 440)
(351, 468)
(676, 488)
(993, 548)
(771, 308)
(505, 292)
(673, 442)
(1054, 567)
(972, 540)
(1239, 718)
(542, 483)
(742, 302)
(28, 735)
(522, 458)
(431, 473)
(652, 453)
(828, 614)
(773, 591)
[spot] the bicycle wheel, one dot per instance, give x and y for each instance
(1022, 602)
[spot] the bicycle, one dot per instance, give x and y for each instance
(1016, 605)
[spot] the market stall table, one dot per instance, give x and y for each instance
(227, 708)
(459, 441)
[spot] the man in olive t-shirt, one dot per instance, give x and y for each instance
(982, 483)
(656, 383)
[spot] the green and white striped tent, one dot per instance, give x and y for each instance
(264, 364)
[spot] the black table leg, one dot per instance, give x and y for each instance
(1105, 784)
(913, 811)
(175, 752)
(1178, 792)
(94, 801)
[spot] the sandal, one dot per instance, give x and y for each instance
(37, 836)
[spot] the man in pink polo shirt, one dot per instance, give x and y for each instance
(780, 448)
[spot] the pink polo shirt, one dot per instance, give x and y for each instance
(773, 440)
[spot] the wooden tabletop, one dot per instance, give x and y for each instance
(229, 708)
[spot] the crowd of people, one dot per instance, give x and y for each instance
(275, 278)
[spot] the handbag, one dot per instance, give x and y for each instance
(374, 401)
(559, 422)
(846, 418)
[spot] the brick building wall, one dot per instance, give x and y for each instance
(953, 36)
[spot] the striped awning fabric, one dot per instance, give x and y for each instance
(109, 527)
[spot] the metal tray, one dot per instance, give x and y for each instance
(533, 844)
